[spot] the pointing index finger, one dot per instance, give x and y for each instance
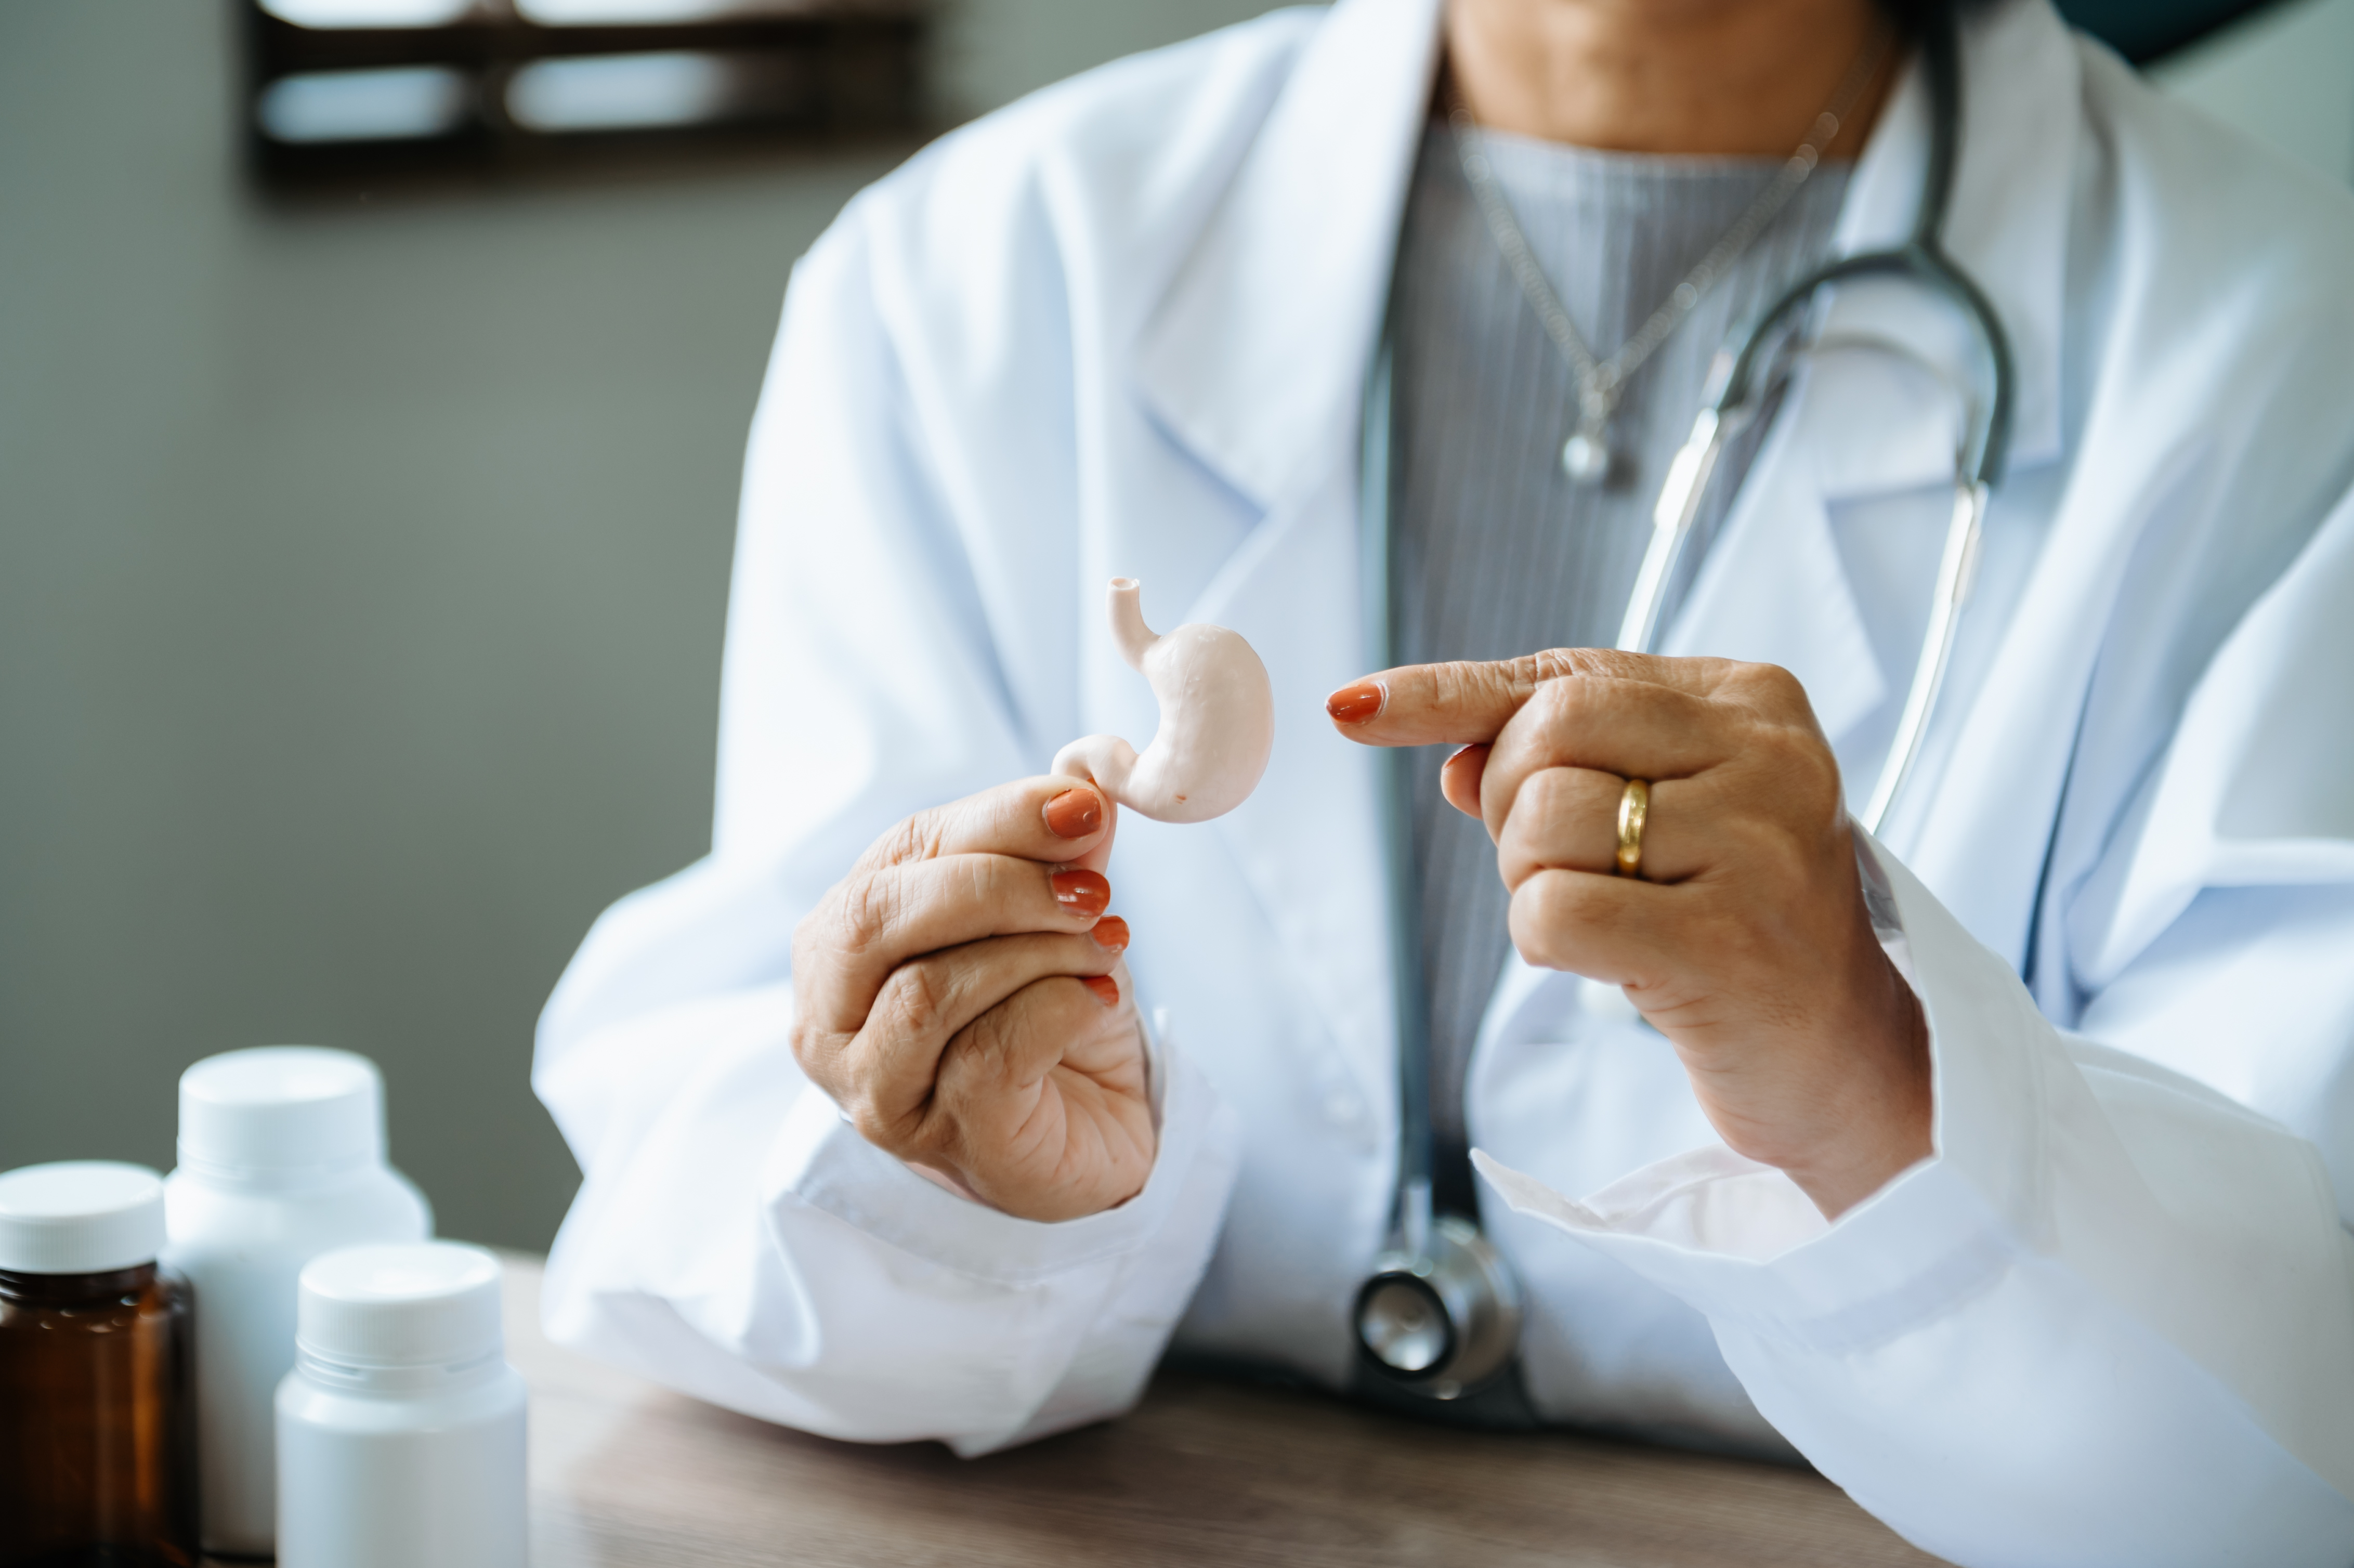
(1467, 702)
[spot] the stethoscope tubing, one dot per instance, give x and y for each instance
(1744, 380)
(1742, 383)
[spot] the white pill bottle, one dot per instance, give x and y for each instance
(282, 1157)
(400, 1430)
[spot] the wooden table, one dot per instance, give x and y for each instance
(1205, 1472)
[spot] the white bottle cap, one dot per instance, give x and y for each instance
(79, 1217)
(415, 1304)
(282, 1109)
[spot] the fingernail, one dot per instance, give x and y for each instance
(1111, 931)
(1082, 892)
(1355, 705)
(1107, 989)
(1075, 813)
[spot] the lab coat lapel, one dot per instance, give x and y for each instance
(1774, 592)
(1776, 588)
(1256, 359)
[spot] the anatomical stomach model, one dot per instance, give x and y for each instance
(1217, 721)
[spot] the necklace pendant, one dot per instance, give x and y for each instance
(1585, 456)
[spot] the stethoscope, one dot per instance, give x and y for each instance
(1440, 1314)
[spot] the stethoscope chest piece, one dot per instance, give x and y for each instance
(1442, 1317)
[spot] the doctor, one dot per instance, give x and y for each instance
(1997, 1164)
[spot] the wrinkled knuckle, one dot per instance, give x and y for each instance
(990, 1043)
(1514, 863)
(1564, 901)
(914, 838)
(1795, 766)
(1774, 749)
(919, 999)
(1454, 685)
(1779, 691)
(1555, 702)
(869, 908)
(1805, 773)
(1552, 664)
(1555, 907)
(1534, 921)
(1538, 798)
(1547, 800)
(979, 1064)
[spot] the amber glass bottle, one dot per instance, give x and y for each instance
(96, 1403)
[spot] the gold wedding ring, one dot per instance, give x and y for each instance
(1634, 811)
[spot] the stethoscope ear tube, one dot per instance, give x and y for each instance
(1671, 525)
(1977, 465)
(1741, 384)
(1671, 528)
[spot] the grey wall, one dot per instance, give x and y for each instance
(361, 575)
(362, 567)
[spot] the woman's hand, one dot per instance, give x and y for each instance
(1746, 939)
(961, 997)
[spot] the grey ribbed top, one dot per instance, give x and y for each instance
(1497, 553)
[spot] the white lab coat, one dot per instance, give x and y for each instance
(1123, 327)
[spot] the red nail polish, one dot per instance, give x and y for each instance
(1075, 813)
(1355, 705)
(1111, 931)
(1082, 892)
(1107, 989)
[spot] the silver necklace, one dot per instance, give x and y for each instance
(1588, 456)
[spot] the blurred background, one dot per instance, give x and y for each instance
(367, 471)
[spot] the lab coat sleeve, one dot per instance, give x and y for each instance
(734, 1237)
(2111, 1320)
